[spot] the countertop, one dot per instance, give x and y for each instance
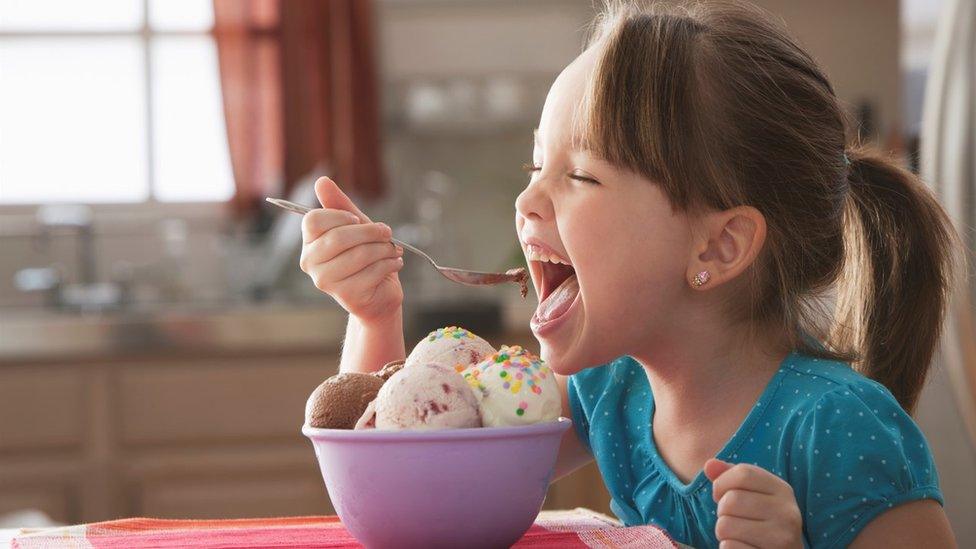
(42, 335)
(39, 336)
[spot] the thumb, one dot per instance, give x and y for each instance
(331, 196)
(715, 467)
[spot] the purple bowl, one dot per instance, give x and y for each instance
(449, 488)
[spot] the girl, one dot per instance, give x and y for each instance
(693, 209)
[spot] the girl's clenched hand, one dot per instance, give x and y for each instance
(755, 507)
(351, 258)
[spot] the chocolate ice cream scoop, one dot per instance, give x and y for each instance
(391, 368)
(341, 400)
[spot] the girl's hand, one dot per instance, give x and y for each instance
(755, 507)
(350, 258)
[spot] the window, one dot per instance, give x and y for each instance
(110, 101)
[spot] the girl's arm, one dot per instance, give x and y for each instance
(572, 453)
(367, 347)
(352, 259)
(920, 523)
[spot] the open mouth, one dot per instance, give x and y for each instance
(557, 283)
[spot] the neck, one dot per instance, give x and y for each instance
(706, 380)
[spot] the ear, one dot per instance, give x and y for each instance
(728, 243)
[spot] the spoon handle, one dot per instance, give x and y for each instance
(300, 209)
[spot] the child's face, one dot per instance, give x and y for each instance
(627, 249)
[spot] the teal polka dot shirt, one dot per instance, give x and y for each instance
(842, 442)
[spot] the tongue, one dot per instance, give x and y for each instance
(559, 301)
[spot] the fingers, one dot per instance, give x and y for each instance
(368, 278)
(747, 477)
(735, 544)
(340, 239)
(351, 261)
(740, 530)
(754, 507)
(715, 467)
(745, 504)
(320, 221)
(331, 196)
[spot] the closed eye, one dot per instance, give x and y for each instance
(576, 176)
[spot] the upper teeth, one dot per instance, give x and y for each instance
(536, 253)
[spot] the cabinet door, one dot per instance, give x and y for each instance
(54, 500)
(42, 409)
(256, 495)
(209, 402)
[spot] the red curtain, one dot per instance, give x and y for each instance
(300, 90)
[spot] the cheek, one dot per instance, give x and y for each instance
(635, 277)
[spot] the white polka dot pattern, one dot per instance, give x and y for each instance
(841, 441)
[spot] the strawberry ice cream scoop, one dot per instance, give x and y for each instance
(453, 347)
(514, 387)
(424, 396)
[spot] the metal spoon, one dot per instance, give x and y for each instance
(462, 276)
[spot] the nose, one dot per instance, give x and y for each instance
(533, 202)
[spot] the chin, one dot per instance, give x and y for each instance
(576, 350)
(567, 360)
(559, 363)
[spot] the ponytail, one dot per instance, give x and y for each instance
(897, 272)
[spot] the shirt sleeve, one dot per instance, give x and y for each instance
(856, 455)
(580, 421)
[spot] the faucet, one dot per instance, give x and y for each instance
(52, 217)
(86, 293)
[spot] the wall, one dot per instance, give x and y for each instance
(858, 45)
(955, 453)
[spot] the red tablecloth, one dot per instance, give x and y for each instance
(579, 528)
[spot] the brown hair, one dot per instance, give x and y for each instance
(719, 106)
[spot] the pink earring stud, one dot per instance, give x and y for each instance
(700, 279)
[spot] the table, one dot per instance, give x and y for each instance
(579, 528)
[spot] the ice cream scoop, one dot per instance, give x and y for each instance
(514, 387)
(424, 396)
(340, 400)
(454, 347)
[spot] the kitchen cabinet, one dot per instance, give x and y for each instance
(201, 434)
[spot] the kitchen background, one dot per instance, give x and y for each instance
(157, 339)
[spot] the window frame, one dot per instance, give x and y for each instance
(150, 207)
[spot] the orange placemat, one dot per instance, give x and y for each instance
(579, 528)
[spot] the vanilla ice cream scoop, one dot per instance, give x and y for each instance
(424, 396)
(514, 387)
(453, 347)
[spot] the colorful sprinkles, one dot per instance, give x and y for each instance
(450, 332)
(515, 368)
